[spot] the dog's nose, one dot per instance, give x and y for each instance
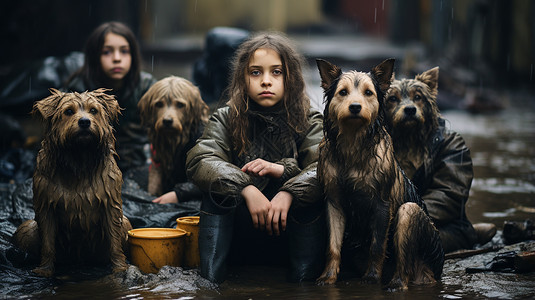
(410, 110)
(167, 122)
(355, 108)
(84, 123)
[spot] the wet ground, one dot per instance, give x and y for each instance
(502, 147)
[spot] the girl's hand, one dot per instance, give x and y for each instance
(257, 204)
(260, 167)
(278, 214)
(169, 197)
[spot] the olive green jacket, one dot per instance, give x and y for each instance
(214, 166)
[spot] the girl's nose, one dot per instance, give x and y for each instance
(266, 81)
(116, 55)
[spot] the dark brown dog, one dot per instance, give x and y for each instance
(373, 210)
(175, 114)
(412, 115)
(76, 185)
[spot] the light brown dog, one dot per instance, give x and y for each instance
(175, 114)
(76, 185)
(377, 222)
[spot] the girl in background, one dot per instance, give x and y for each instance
(256, 165)
(112, 60)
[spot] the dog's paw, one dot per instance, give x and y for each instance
(119, 268)
(328, 277)
(43, 271)
(396, 284)
(371, 277)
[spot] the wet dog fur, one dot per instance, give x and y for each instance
(373, 210)
(175, 114)
(76, 185)
(412, 116)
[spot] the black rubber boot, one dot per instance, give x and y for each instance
(215, 238)
(307, 243)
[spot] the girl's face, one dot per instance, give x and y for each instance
(264, 77)
(115, 58)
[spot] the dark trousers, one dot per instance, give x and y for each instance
(226, 235)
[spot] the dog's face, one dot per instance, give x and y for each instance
(78, 118)
(410, 103)
(171, 105)
(353, 99)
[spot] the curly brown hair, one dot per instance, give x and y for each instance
(295, 100)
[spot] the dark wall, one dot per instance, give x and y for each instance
(32, 29)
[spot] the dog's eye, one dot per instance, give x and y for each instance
(93, 111)
(417, 97)
(368, 93)
(69, 112)
(393, 99)
(158, 104)
(180, 104)
(343, 92)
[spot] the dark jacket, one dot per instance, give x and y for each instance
(215, 167)
(445, 177)
(130, 135)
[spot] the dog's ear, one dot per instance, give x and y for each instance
(200, 108)
(328, 72)
(383, 73)
(46, 107)
(144, 107)
(429, 77)
(109, 103)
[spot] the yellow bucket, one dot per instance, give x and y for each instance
(191, 225)
(153, 248)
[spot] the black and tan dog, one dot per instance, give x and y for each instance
(373, 210)
(76, 185)
(175, 114)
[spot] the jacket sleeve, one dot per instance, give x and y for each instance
(451, 179)
(209, 163)
(187, 191)
(304, 186)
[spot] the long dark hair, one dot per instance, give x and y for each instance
(92, 72)
(295, 100)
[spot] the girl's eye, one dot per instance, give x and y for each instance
(417, 97)
(255, 72)
(393, 99)
(277, 72)
(69, 112)
(106, 52)
(158, 104)
(125, 51)
(343, 92)
(93, 111)
(368, 93)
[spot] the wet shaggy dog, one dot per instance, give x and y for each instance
(76, 185)
(175, 114)
(412, 116)
(373, 209)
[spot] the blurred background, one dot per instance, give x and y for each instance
(495, 39)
